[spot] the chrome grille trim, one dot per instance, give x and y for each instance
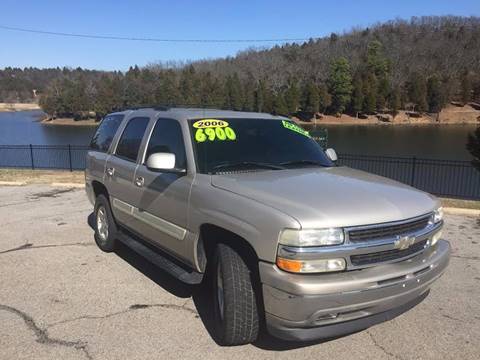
(388, 230)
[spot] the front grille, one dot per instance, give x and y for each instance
(387, 231)
(387, 255)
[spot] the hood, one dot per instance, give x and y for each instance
(330, 197)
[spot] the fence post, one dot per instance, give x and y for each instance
(70, 156)
(31, 157)
(414, 165)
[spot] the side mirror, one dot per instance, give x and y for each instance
(331, 154)
(163, 162)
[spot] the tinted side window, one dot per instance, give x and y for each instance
(130, 141)
(106, 131)
(167, 137)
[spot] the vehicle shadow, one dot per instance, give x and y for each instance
(201, 296)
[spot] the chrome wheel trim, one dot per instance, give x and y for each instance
(220, 298)
(102, 224)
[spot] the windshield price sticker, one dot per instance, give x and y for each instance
(210, 123)
(294, 127)
(213, 130)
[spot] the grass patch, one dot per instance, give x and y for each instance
(42, 176)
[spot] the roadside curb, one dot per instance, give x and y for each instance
(75, 185)
(13, 183)
(461, 211)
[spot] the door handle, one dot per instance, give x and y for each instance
(110, 171)
(139, 181)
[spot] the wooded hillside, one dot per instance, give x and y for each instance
(418, 65)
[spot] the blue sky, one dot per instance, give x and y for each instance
(179, 19)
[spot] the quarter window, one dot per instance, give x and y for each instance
(167, 137)
(131, 139)
(106, 131)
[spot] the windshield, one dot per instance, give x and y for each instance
(229, 144)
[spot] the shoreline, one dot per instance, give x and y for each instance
(68, 122)
(13, 107)
(312, 124)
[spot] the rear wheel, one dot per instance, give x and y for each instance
(236, 310)
(105, 227)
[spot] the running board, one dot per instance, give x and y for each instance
(163, 261)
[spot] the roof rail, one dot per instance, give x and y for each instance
(166, 107)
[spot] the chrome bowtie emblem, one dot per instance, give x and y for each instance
(404, 242)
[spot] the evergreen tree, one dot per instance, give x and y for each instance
(312, 98)
(465, 87)
(370, 91)
(473, 146)
(280, 105)
(435, 96)
(325, 99)
(357, 97)
(340, 84)
(233, 93)
(418, 92)
(394, 101)
(292, 96)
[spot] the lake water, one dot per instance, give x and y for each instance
(429, 141)
(23, 128)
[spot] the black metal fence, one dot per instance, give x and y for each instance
(441, 177)
(69, 157)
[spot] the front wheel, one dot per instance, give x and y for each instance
(236, 311)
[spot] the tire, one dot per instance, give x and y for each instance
(106, 240)
(235, 303)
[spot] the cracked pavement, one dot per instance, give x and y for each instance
(61, 297)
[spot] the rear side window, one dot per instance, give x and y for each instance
(106, 131)
(130, 141)
(167, 137)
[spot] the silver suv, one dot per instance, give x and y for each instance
(252, 207)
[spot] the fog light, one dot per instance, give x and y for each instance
(436, 237)
(311, 266)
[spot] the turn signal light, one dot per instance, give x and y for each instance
(311, 266)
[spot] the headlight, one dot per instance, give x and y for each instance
(311, 266)
(312, 237)
(438, 215)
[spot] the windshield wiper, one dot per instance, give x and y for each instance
(242, 164)
(302, 162)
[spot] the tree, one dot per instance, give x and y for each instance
(418, 91)
(340, 84)
(370, 90)
(395, 101)
(357, 97)
(465, 87)
(325, 99)
(292, 96)
(279, 104)
(473, 146)
(311, 98)
(435, 95)
(233, 93)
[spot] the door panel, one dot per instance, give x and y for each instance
(119, 175)
(161, 209)
(162, 198)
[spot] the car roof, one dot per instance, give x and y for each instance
(184, 114)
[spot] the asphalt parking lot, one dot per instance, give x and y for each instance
(61, 297)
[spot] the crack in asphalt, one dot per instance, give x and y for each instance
(465, 257)
(131, 308)
(381, 347)
(29, 246)
(42, 334)
(50, 194)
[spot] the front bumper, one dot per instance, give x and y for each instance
(308, 307)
